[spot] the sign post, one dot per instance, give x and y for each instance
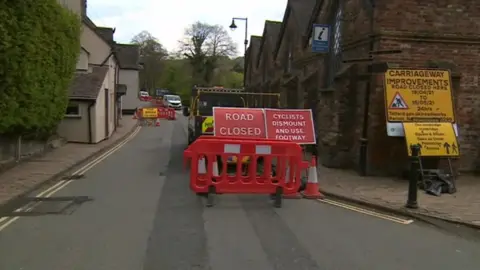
(290, 125)
(418, 95)
(421, 101)
(238, 122)
(321, 38)
(433, 139)
(149, 113)
(275, 124)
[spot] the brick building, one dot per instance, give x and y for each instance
(429, 35)
(265, 63)
(251, 60)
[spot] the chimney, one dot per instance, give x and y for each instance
(83, 4)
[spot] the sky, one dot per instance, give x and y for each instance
(167, 20)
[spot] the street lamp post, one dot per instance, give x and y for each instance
(233, 26)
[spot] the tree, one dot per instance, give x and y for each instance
(152, 54)
(219, 43)
(202, 45)
(39, 48)
(239, 65)
(177, 77)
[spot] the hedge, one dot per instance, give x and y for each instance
(39, 47)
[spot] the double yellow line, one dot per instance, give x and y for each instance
(6, 221)
(367, 212)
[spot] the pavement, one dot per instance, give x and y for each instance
(33, 173)
(134, 210)
(390, 194)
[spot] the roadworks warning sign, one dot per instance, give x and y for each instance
(418, 95)
(398, 103)
(149, 113)
(434, 139)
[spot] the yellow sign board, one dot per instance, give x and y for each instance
(418, 95)
(434, 139)
(207, 125)
(149, 113)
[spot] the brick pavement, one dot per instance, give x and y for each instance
(31, 173)
(463, 206)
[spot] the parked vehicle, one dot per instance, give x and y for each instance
(144, 96)
(173, 101)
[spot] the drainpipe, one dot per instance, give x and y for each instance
(90, 129)
(366, 107)
(112, 52)
(116, 99)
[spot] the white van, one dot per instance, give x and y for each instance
(173, 101)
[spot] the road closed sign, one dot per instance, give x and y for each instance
(434, 139)
(149, 113)
(290, 125)
(239, 122)
(419, 95)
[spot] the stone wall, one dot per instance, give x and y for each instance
(15, 150)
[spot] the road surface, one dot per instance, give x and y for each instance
(134, 210)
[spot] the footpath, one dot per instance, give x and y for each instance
(30, 174)
(390, 194)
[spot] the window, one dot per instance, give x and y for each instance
(337, 31)
(73, 110)
(335, 55)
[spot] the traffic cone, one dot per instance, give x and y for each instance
(312, 189)
(295, 195)
(157, 122)
(202, 168)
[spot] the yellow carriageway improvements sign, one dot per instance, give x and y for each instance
(434, 139)
(418, 95)
(149, 113)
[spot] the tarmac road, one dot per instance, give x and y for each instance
(143, 216)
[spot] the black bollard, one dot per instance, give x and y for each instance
(413, 177)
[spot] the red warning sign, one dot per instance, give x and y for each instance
(290, 125)
(239, 122)
(398, 103)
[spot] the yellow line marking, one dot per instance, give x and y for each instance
(367, 212)
(6, 221)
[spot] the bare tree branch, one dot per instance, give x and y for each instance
(219, 43)
(202, 45)
(153, 55)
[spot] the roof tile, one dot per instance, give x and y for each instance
(255, 42)
(87, 85)
(128, 56)
(302, 11)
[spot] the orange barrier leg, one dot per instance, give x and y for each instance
(295, 195)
